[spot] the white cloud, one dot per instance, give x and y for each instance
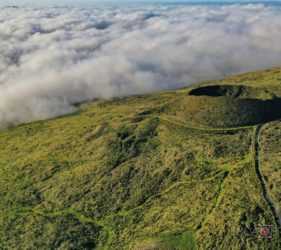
(52, 58)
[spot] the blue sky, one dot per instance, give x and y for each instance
(83, 2)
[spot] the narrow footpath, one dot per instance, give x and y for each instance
(261, 178)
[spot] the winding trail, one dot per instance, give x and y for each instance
(256, 144)
(105, 229)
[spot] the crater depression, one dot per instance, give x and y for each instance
(223, 106)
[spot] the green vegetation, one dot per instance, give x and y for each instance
(181, 242)
(270, 158)
(225, 106)
(142, 173)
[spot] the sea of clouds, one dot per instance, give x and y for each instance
(51, 58)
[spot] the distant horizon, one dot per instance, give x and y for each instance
(55, 55)
(134, 2)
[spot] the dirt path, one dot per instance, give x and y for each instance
(261, 178)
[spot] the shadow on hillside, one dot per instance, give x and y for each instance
(258, 103)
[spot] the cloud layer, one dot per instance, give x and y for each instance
(52, 58)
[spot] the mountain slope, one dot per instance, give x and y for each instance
(136, 173)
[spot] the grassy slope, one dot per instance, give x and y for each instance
(120, 175)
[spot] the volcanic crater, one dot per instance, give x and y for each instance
(226, 106)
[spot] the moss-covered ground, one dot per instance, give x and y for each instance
(126, 174)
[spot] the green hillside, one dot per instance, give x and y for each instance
(182, 169)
